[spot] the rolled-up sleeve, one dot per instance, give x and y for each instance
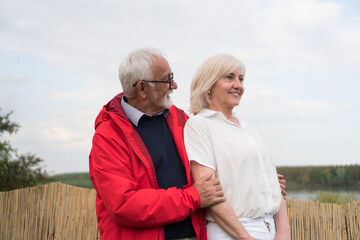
(198, 143)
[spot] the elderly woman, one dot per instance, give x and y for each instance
(221, 145)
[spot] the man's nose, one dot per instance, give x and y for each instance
(174, 85)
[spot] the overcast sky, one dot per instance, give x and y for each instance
(59, 64)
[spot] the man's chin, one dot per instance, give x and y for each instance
(167, 102)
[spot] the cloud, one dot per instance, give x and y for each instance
(66, 137)
(12, 80)
(59, 134)
(266, 103)
(301, 56)
(286, 34)
(301, 131)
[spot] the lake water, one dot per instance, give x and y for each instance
(310, 195)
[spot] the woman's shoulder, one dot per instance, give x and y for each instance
(201, 118)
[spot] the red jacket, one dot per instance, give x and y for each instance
(129, 203)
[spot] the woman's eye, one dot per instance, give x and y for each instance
(229, 76)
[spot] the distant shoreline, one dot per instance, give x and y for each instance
(299, 178)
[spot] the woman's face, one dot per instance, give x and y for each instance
(227, 91)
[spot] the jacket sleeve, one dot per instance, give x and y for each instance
(129, 204)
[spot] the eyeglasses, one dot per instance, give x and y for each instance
(170, 80)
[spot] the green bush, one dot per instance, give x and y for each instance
(338, 198)
(322, 177)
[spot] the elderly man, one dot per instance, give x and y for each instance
(138, 162)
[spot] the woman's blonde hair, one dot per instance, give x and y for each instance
(208, 73)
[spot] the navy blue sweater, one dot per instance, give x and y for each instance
(169, 169)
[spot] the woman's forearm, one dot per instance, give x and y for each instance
(225, 217)
(222, 213)
(282, 223)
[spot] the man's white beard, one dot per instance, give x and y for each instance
(165, 102)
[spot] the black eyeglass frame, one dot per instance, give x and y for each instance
(169, 81)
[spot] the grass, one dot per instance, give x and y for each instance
(75, 179)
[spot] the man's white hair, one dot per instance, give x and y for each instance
(136, 67)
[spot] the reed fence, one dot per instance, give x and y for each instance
(314, 220)
(59, 211)
(51, 211)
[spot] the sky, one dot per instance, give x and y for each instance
(59, 65)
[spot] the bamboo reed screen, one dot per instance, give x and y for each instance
(52, 211)
(314, 220)
(59, 211)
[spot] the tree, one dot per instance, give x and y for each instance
(17, 171)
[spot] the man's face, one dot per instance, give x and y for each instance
(160, 93)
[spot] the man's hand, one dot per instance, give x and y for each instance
(210, 191)
(282, 183)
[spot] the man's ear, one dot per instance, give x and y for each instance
(141, 89)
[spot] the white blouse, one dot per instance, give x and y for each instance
(240, 160)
